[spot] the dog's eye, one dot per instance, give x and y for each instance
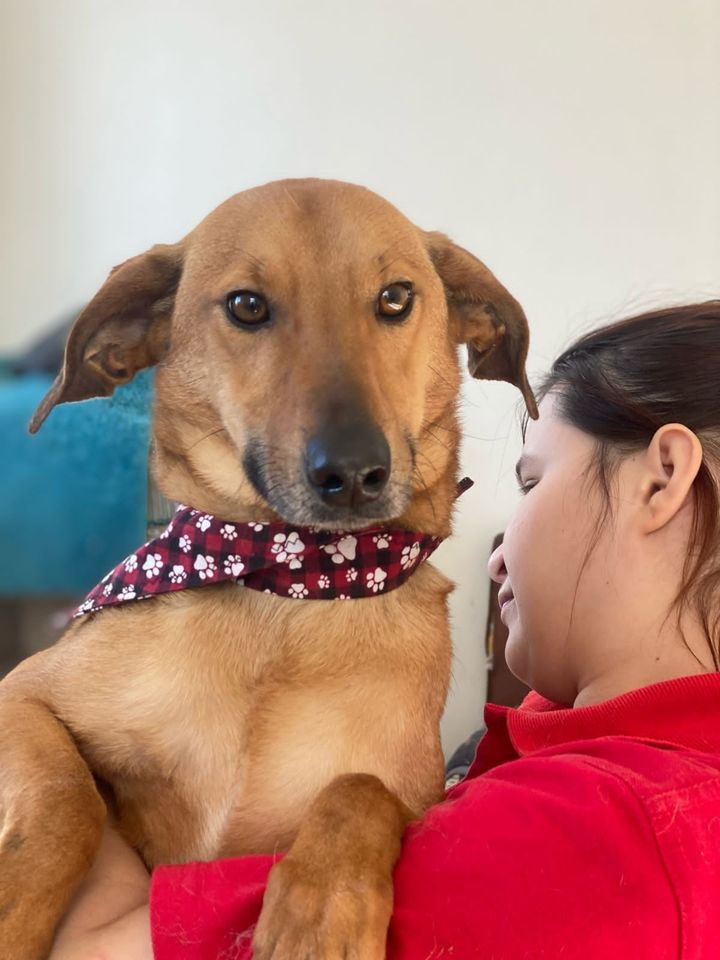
(247, 309)
(395, 301)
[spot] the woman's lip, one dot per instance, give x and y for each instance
(504, 598)
(505, 606)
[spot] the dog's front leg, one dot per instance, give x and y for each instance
(51, 819)
(331, 897)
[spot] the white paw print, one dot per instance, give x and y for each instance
(166, 532)
(86, 606)
(203, 522)
(127, 593)
(185, 543)
(324, 582)
(107, 576)
(382, 540)
(288, 549)
(107, 589)
(376, 580)
(131, 563)
(228, 531)
(351, 575)
(342, 550)
(410, 555)
(257, 527)
(234, 566)
(298, 591)
(153, 565)
(343, 596)
(205, 566)
(178, 573)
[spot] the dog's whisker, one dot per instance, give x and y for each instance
(438, 440)
(403, 238)
(213, 433)
(439, 375)
(425, 489)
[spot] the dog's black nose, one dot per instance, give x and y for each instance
(348, 464)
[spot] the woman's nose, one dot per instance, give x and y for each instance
(496, 566)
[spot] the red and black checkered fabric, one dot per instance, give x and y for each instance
(303, 563)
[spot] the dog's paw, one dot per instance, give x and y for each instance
(328, 915)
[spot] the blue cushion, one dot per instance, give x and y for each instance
(74, 495)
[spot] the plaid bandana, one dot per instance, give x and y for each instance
(304, 563)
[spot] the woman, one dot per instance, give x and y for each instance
(589, 824)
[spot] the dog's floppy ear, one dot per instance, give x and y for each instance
(124, 328)
(487, 318)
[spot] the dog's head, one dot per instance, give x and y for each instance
(306, 340)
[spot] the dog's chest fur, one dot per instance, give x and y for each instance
(216, 715)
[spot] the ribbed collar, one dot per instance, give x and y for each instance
(684, 712)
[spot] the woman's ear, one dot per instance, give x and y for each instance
(124, 328)
(672, 462)
(486, 317)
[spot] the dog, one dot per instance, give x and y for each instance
(305, 336)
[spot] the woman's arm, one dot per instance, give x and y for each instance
(546, 857)
(551, 855)
(109, 916)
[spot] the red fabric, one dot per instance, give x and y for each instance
(198, 549)
(303, 563)
(578, 834)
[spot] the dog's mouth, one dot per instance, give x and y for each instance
(326, 498)
(301, 508)
(391, 506)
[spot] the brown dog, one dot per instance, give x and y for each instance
(221, 721)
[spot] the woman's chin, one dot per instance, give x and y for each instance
(516, 655)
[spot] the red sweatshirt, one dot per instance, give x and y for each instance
(578, 834)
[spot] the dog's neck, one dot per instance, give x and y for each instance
(180, 477)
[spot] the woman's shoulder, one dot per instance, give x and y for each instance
(645, 767)
(608, 786)
(650, 770)
(650, 767)
(555, 849)
(613, 825)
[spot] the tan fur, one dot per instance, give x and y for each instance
(212, 718)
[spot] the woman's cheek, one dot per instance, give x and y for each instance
(523, 541)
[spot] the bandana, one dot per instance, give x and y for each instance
(303, 563)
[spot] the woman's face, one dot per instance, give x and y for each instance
(539, 563)
(585, 591)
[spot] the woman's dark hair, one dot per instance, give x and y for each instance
(623, 382)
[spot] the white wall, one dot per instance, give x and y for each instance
(572, 144)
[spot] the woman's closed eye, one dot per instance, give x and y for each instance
(525, 473)
(525, 486)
